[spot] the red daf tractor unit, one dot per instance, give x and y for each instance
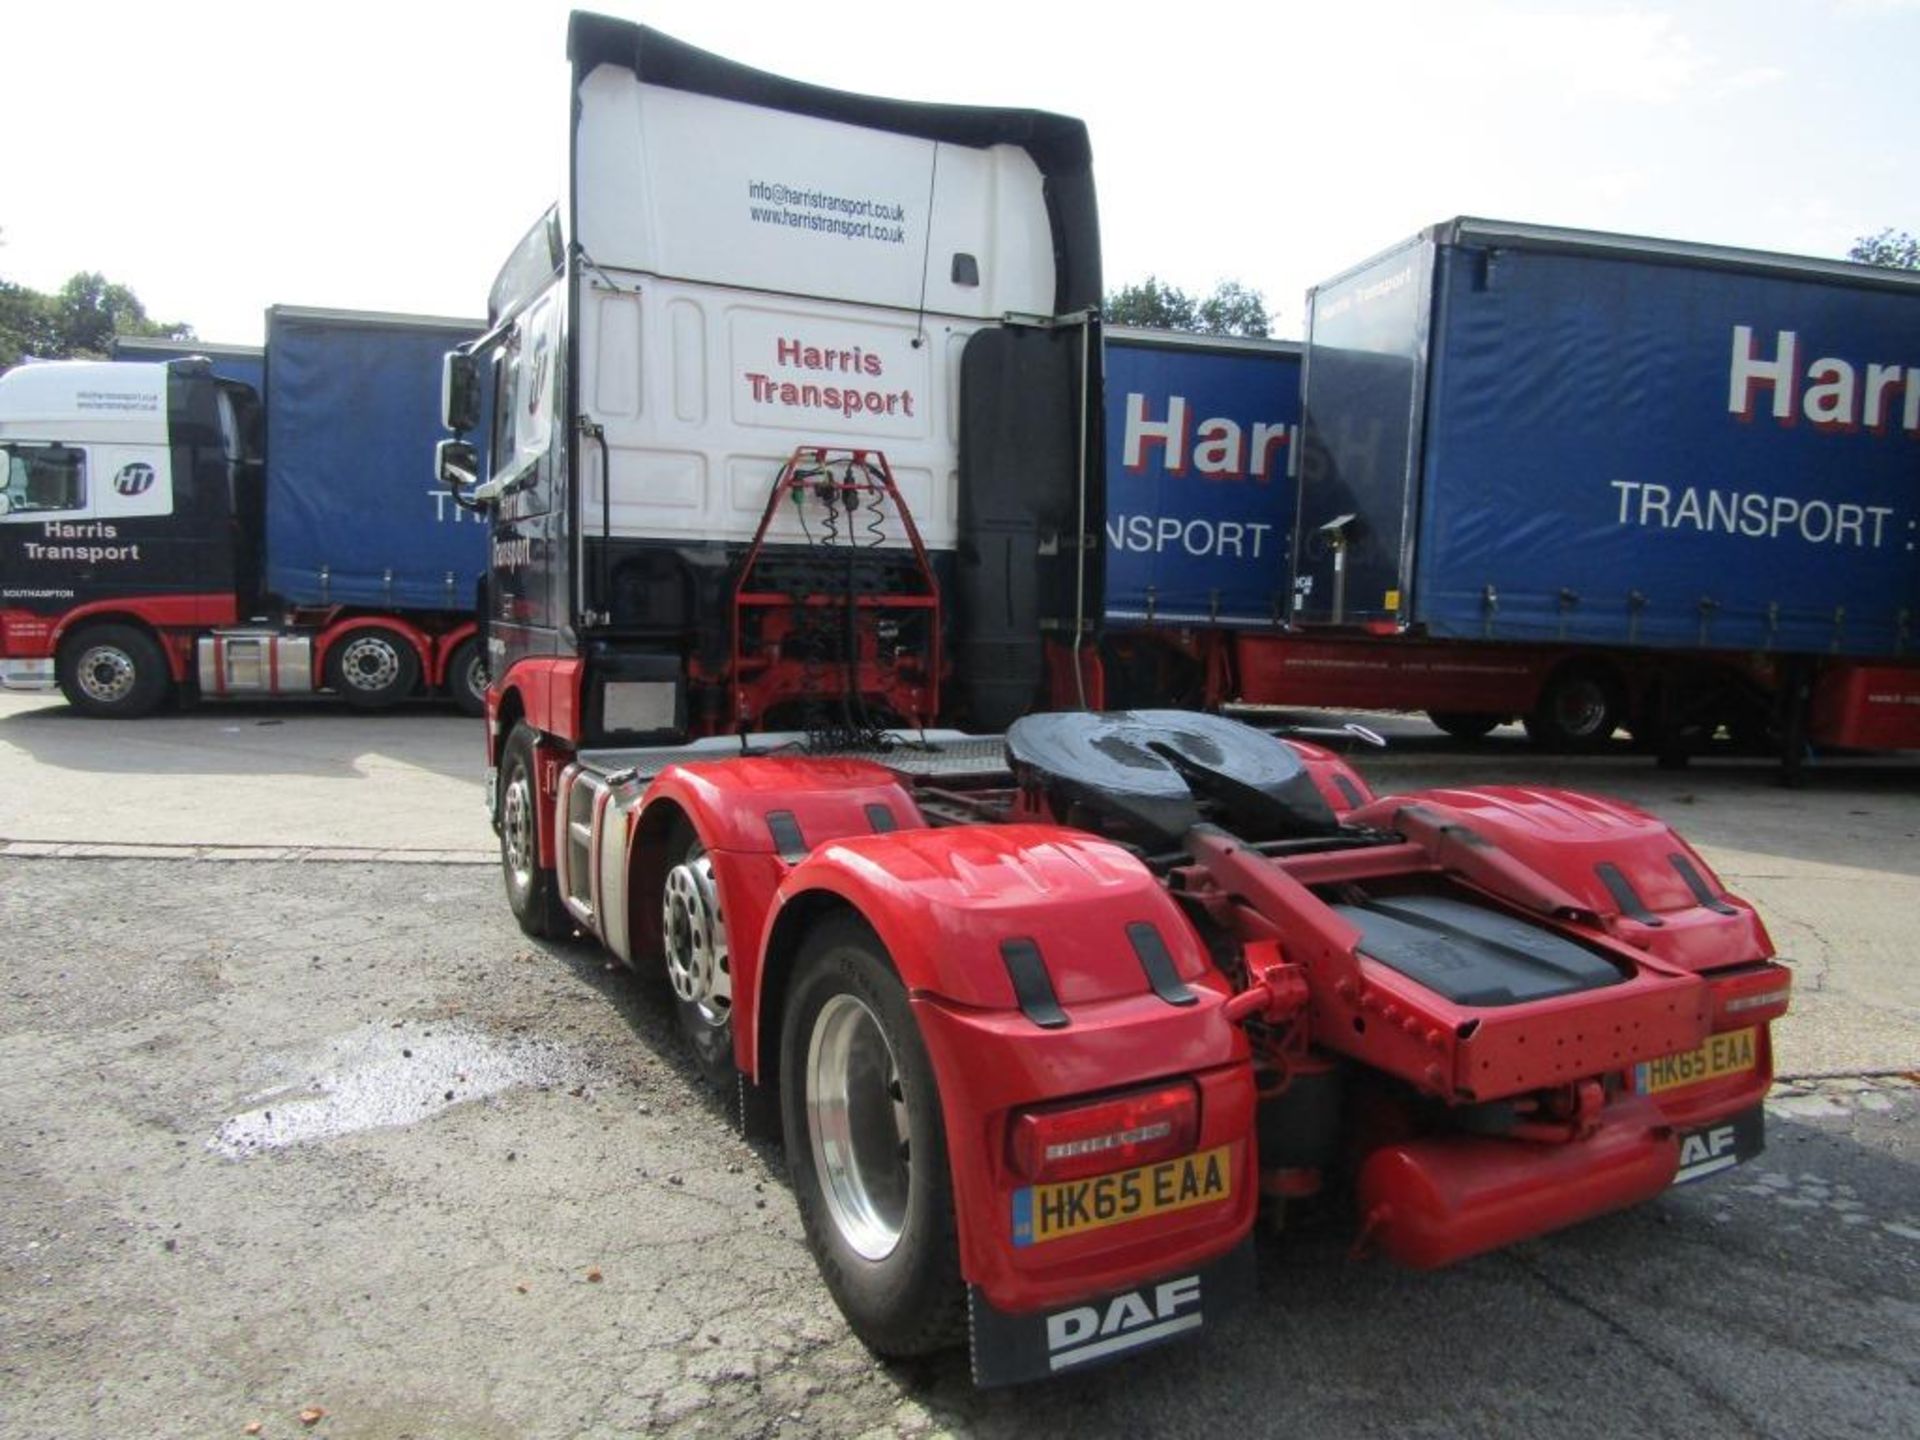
(795, 508)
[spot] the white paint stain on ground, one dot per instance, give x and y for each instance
(380, 1077)
(1834, 1099)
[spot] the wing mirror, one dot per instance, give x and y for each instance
(457, 463)
(459, 392)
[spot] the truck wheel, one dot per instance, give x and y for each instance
(866, 1147)
(693, 937)
(373, 668)
(1579, 708)
(532, 892)
(467, 677)
(116, 672)
(1465, 725)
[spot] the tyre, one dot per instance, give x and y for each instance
(373, 668)
(693, 939)
(1579, 708)
(467, 677)
(866, 1148)
(532, 892)
(116, 672)
(1465, 725)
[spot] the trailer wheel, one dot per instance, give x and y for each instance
(1465, 725)
(1580, 707)
(373, 668)
(467, 677)
(533, 893)
(866, 1147)
(115, 672)
(693, 938)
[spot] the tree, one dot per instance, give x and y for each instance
(77, 323)
(1895, 249)
(90, 310)
(24, 324)
(1232, 308)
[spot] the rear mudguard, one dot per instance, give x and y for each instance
(756, 818)
(1646, 886)
(1042, 964)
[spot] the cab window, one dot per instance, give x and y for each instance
(44, 479)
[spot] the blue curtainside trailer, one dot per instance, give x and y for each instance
(354, 513)
(1522, 434)
(1202, 435)
(1588, 481)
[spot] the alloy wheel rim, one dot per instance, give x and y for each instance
(857, 1125)
(106, 674)
(1583, 708)
(516, 827)
(370, 663)
(694, 934)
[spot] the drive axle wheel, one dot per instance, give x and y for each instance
(693, 934)
(866, 1147)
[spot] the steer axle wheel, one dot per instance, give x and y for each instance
(116, 672)
(467, 677)
(693, 933)
(866, 1147)
(532, 890)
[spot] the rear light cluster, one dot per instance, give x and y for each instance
(1076, 1138)
(1750, 995)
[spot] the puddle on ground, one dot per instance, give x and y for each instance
(385, 1076)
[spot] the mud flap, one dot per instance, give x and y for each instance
(756, 1110)
(1713, 1148)
(1010, 1349)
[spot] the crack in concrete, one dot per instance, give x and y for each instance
(1712, 1394)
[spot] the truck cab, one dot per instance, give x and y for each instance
(126, 484)
(744, 268)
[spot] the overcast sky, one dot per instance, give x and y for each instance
(384, 156)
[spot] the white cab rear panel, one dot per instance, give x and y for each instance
(762, 280)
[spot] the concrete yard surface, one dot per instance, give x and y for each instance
(294, 1130)
(288, 773)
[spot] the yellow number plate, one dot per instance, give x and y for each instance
(1726, 1054)
(1072, 1207)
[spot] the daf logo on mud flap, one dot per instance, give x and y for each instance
(1707, 1145)
(134, 479)
(1708, 1152)
(1139, 1317)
